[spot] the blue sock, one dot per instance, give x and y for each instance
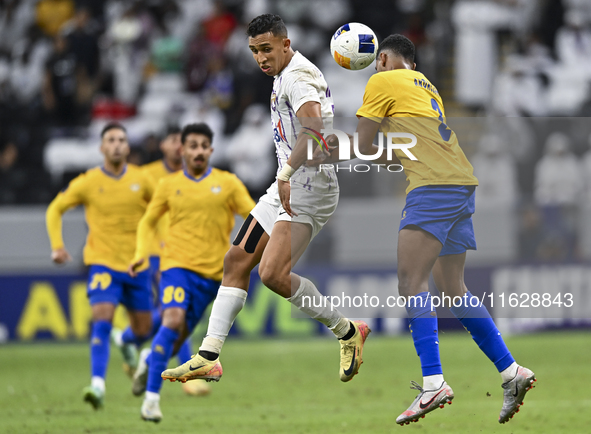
(129, 337)
(161, 353)
(99, 348)
(185, 353)
(156, 322)
(480, 325)
(423, 326)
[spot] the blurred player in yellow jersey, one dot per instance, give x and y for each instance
(436, 225)
(115, 197)
(171, 162)
(201, 202)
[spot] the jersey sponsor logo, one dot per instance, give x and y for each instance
(135, 187)
(216, 189)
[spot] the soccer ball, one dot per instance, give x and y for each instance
(354, 46)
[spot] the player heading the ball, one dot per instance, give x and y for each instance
(291, 213)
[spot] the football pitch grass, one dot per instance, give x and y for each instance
(292, 386)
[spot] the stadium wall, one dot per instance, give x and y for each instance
(55, 307)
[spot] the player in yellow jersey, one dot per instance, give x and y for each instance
(201, 202)
(171, 162)
(115, 197)
(436, 225)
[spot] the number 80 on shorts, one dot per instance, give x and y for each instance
(171, 293)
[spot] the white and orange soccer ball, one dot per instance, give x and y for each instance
(354, 46)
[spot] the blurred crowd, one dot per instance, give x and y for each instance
(69, 66)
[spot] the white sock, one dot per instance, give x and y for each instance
(152, 396)
(509, 373)
(117, 334)
(98, 382)
(432, 382)
(310, 301)
(226, 306)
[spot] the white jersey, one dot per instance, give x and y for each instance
(301, 81)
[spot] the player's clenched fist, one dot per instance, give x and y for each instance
(135, 264)
(60, 256)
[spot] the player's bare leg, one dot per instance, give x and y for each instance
(448, 274)
(417, 253)
(243, 256)
(286, 246)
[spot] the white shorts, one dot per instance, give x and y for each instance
(312, 208)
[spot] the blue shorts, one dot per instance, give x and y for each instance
(187, 290)
(445, 211)
(108, 286)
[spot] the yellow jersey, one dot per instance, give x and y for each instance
(113, 207)
(201, 220)
(157, 170)
(403, 100)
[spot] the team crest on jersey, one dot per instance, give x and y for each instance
(135, 187)
(216, 189)
(273, 100)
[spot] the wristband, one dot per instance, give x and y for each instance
(285, 173)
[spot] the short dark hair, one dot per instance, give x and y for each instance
(196, 129)
(172, 129)
(267, 23)
(400, 46)
(112, 126)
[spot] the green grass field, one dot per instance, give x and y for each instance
(292, 386)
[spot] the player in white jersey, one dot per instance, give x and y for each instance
(294, 209)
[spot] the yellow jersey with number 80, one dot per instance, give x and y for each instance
(201, 220)
(404, 101)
